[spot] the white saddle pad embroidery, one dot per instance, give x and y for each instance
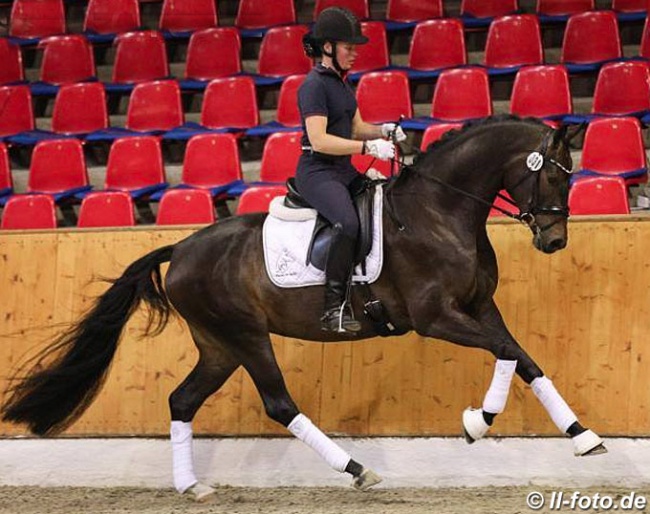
(286, 244)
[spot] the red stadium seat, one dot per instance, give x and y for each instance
(255, 14)
(230, 103)
(29, 212)
(437, 44)
(413, 10)
(514, 41)
(434, 132)
(645, 40)
(213, 53)
(112, 16)
(614, 146)
(364, 162)
(258, 198)
(503, 204)
(374, 54)
(135, 163)
(155, 106)
(384, 96)
(66, 59)
(629, 5)
(57, 166)
(462, 94)
(280, 156)
(107, 209)
(541, 91)
(282, 52)
(487, 8)
(17, 114)
(360, 8)
(599, 195)
(185, 207)
(182, 15)
(12, 62)
(80, 108)
(288, 113)
(6, 181)
(622, 88)
(591, 37)
(564, 7)
(140, 56)
(211, 160)
(34, 19)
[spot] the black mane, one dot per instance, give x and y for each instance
(454, 134)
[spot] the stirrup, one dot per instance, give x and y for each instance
(339, 320)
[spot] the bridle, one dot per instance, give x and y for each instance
(535, 163)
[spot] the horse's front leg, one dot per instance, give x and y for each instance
(487, 330)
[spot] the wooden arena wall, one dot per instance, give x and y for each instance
(582, 313)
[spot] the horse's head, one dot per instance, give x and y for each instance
(540, 187)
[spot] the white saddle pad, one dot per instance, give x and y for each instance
(286, 242)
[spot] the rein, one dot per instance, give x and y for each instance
(534, 163)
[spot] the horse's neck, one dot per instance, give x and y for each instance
(477, 162)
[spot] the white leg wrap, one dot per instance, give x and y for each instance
(182, 459)
(557, 408)
(497, 395)
(308, 433)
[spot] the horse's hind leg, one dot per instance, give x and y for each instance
(257, 356)
(216, 364)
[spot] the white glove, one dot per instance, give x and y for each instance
(375, 174)
(393, 130)
(381, 149)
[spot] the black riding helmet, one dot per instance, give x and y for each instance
(334, 24)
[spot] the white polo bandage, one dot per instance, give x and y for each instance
(182, 458)
(557, 408)
(310, 434)
(497, 395)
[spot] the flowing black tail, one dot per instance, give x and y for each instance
(65, 377)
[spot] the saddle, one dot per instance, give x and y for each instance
(362, 191)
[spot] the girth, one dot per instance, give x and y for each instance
(362, 192)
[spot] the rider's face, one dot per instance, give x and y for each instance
(346, 53)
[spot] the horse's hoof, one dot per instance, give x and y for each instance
(201, 493)
(474, 426)
(366, 480)
(598, 450)
(588, 443)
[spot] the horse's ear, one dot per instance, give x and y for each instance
(575, 131)
(560, 134)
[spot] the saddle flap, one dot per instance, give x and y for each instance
(323, 232)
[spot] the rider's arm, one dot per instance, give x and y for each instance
(362, 130)
(323, 142)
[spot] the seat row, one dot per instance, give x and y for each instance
(30, 19)
(594, 195)
(612, 147)
(622, 88)
(590, 38)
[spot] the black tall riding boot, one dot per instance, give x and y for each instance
(338, 270)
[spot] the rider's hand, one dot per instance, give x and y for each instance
(380, 148)
(393, 130)
(375, 174)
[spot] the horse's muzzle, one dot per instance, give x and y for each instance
(551, 246)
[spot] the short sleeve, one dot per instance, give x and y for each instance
(312, 99)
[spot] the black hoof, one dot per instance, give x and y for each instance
(468, 438)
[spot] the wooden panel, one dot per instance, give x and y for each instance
(583, 314)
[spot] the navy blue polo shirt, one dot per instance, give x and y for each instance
(325, 93)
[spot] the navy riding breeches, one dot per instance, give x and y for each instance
(325, 187)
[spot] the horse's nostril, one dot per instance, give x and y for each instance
(555, 245)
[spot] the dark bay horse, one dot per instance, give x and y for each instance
(438, 279)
